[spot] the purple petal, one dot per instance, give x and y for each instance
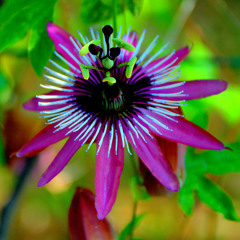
(151, 155)
(108, 171)
(184, 132)
(61, 160)
(33, 104)
(60, 36)
(42, 140)
(178, 56)
(196, 89)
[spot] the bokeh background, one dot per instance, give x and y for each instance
(208, 206)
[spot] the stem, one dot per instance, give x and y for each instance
(124, 18)
(135, 203)
(184, 12)
(115, 18)
(134, 213)
(9, 208)
(134, 165)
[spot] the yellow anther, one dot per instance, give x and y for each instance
(85, 49)
(130, 66)
(123, 44)
(109, 80)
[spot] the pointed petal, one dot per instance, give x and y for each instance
(196, 89)
(60, 36)
(82, 218)
(174, 153)
(108, 171)
(152, 185)
(184, 131)
(178, 56)
(61, 160)
(152, 157)
(33, 103)
(42, 140)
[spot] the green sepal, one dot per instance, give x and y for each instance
(85, 49)
(130, 66)
(85, 71)
(123, 44)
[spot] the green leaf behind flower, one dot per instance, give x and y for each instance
(209, 193)
(135, 6)
(97, 10)
(197, 166)
(17, 17)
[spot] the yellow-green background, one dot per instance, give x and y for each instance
(212, 29)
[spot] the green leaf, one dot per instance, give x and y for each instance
(96, 10)
(39, 49)
(186, 196)
(197, 165)
(18, 16)
(5, 90)
(129, 228)
(138, 190)
(216, 198)
(135, 6)
(216, 162)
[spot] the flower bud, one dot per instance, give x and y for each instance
(82, 218)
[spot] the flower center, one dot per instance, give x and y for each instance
(113, 98)
(108, 61)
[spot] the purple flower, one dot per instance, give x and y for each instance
(116, 96)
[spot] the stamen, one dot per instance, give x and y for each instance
(169, 86)
(68, 63)
(70, 54)
(160, 63)
(101, 140)
(139, 44)
(155, 55)
(82, 37)
(127, 145)
(63, 69)
(56, 88)
(143, 128)
(121, 133)
(58, 81)
(92, 33)
(148, 50)
(89, 129)
(94, 137)
(116, 142)
(149, 124)
(111, 139)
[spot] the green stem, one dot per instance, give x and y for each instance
(134, 213)
(8, 210)
(115, 18)
(134, 165)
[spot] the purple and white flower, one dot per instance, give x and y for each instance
(114, 93)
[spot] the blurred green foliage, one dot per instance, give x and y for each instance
(211, 28)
